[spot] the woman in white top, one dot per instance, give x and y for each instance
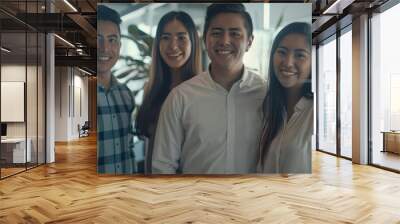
(175, 58)
(285, 145)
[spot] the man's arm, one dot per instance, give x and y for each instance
(169, 136)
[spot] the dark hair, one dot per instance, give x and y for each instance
(275, 104)
(105, 13)
(214, 9)
(160, 76)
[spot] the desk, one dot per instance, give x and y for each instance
(15, 148)
(391, 141)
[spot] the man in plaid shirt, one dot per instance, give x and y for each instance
(115, 102)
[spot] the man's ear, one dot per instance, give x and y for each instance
(249, 42)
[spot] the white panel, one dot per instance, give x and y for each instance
(12, 101)
(77, 102)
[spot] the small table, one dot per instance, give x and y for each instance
(391, 141)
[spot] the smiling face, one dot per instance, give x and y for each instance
(108, 46)
(175, 45)
(292, 61)
(227, 41)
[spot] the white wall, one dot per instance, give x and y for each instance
(12, 101)
(14, 72)
(69, 85)
(79, 117)
(61, 103)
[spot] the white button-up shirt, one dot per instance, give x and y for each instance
(290, 150)
(205, 129)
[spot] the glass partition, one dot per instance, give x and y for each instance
(327, 96)
(13, 108)
(22, 89)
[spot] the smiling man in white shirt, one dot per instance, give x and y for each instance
(211, 123)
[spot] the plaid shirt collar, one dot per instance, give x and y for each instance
(113, 84)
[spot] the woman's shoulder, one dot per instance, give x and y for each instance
(309, 102)
(306, 102)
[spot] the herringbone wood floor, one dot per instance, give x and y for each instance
(70, 191)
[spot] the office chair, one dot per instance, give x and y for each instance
(84, 130)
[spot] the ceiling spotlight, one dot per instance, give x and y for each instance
(70, 5)
(335, 8)
(65, 41)
(5, 50)
(86, 72)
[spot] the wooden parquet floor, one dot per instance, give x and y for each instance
(70, 191)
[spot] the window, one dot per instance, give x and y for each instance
(385, 85)
(346, 93)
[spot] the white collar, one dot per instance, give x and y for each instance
(243, 81)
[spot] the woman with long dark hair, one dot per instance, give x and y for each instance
(175, 58)
(285, 145)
